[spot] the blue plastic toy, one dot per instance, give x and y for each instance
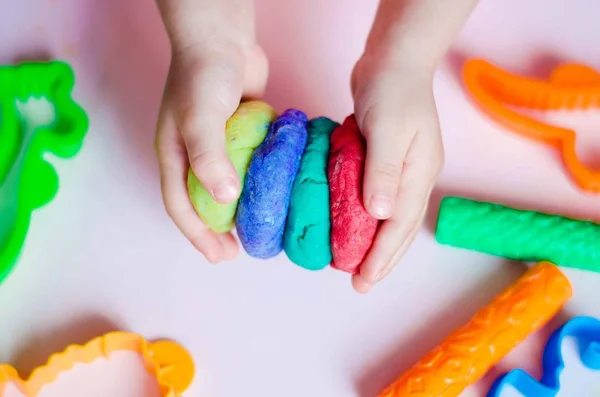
(586, 330)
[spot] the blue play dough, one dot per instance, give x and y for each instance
(265, 198)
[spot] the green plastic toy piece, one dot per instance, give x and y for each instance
(37, 116)
(519, 235)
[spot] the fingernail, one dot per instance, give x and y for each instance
(226, 192)
(381, 206)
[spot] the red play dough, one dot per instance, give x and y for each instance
(352, 228)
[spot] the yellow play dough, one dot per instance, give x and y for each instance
(245, 131)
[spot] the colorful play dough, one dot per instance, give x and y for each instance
(352, 228)
(245, 130)
(308, 229)
(264, 203)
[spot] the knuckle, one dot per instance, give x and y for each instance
(173, 210)
(388, 173)
(221, 60)
(224, 69)
(210, 79)
(207, 50)
(205, 161)
(220, 77)
(197, 237)
(208, 166)
(168, 163)
(181, 219)
(369, 120)
(190, 121)
(226, 86)
(380, 119)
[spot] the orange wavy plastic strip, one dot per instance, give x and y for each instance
(168, 362)
(571, 86)
(471, 351)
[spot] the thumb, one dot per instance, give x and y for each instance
(387, 145)
(210, 87)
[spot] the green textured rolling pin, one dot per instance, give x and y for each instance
(518, 235)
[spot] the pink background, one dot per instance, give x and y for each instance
(104, 255)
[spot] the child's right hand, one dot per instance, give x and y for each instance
(215, 62)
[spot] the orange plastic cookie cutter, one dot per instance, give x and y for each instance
(168, 362)
(571, 86)
(471, 351)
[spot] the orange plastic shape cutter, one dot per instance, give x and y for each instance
(570, 86)
(168, 362)
(471, 351)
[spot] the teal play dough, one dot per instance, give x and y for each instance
(308, 228)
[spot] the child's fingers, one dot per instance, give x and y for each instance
(388, 139)
(208, 91)
(419, 175)
(230, 245)
(396, 234)
(397, 238)
(256, 73)
(173, 164)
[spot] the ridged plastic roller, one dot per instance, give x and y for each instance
(519, 235)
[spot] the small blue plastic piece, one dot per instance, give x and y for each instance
(586, 330)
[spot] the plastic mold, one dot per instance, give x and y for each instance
(570, 86)
(27, 181)
(167, 362)
(471, 351)
(587, 332)
(518, 235)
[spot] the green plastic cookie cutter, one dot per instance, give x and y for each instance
(519, 235)
(37, 116)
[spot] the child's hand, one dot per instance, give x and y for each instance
(396, 112)
(215, 62)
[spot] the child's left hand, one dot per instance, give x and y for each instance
(396, 112)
